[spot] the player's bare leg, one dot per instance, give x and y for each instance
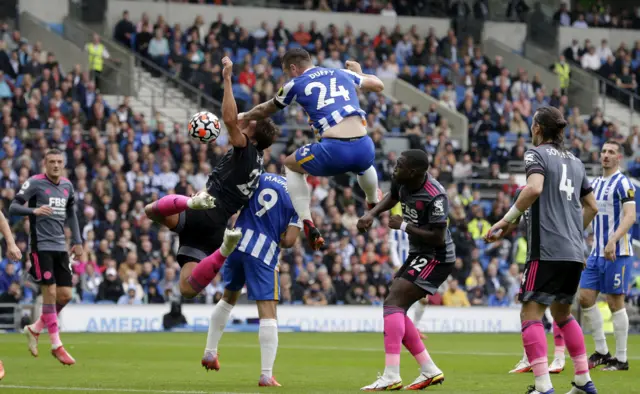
(194, 277)
(32, 332)
(1, 370)
(593, 321)
(620, 331)
(399, 330)
(574, 340)
(217, 323)
(268, 336)
(301, 200)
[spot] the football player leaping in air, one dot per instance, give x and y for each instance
(330, 99)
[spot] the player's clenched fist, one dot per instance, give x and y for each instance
(364, 223)
(395, 221)
(44, 210)
(354, 66)
(227, 65)
(14, 253)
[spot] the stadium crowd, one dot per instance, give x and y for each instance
(119, 161)
(600, 13)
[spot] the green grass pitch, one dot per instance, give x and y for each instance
(307, 363)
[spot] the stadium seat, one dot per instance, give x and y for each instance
(493, 139)
(240, 55)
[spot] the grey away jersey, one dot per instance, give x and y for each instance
(554, 223)
(426, 206)
(235, 178)
(47, 232)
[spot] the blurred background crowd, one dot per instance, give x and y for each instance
(119, 160)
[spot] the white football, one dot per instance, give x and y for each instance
(204, 127)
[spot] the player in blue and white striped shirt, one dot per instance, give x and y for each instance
(330, 99)
(267, 223)
(609, 264)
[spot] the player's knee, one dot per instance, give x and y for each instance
(394, 301)
(63, 296)
(267, 309)
(231, 297)
(615, 302)
(148, 210)
(186, 290)
(49, 293)
(586, 299)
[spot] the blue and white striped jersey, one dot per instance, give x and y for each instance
(399, 245)
(327, 96)
(265, 218)
(611, 194)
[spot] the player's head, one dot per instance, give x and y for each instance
(548, 127)
(296, 61)
(611, 155)
(263, 132)
(54, 163)
(411, 166)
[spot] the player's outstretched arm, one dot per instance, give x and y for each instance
(230, 108)
(389, 201)
(369, 83)
(261, 111)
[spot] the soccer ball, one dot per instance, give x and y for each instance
(204, 127)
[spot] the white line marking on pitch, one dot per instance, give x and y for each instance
(115, 390)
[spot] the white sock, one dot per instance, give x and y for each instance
(419, 313)
(430, 368)
(392, 372)
(300, 194)
(217, 323)
(621, 332)
(543, 383)
(559, 353)
(594, 322)
(268, 334)
(582, 379)
(368, 181)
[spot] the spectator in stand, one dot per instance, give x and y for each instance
(563, 15)
(499, 299)
(580, 22)
(98, 53)
(129, 298)
(477, 296)
(111, 288)
(123, 30)
(159, 48)
(591, 60)
(454, 296)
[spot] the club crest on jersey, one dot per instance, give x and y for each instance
(529, 158)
